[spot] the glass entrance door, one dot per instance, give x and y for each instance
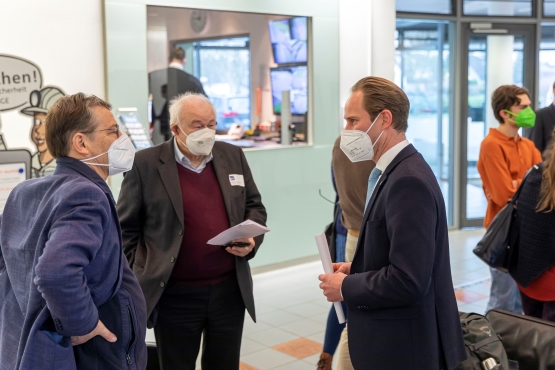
(495, 55)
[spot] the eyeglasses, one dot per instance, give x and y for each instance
(112, 130)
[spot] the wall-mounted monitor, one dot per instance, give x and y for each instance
(289, 40)
(294, 79)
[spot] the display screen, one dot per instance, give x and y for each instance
(289, 40)
(135, 131)
(294, 79)
(11, 174)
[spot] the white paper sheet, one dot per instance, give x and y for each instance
(324, 251)
(246, 229)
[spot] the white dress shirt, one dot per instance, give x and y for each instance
(176, 65)
(388, 157)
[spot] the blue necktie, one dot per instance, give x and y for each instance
(374, 176)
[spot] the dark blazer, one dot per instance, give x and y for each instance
(402, 308)
(150, 208)
(62, 269)
(541, 133)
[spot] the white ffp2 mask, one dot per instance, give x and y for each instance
(120, 156)
(357, 145)
(199, 142)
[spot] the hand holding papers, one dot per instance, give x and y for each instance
(324, 251)
(245, 230)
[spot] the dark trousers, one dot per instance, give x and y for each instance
(539, 309)
(186, 313)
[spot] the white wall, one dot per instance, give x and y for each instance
(65, 39)
(366, 42)
(175, 24)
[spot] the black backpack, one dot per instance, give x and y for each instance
(482, 343)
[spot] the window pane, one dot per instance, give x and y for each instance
(549, 8)
(424, 6)
(422, 71)
(512, 8)
(547, 65)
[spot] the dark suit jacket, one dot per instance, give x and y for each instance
(402, 308)
(541, 133)
(166, 84)
(150, 209)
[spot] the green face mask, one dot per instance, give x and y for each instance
(525, 119)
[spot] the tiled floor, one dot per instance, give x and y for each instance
(292, 311)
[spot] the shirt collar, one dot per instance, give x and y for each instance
(390, 155)
(499, 135)
(185, 162)
(176, 65)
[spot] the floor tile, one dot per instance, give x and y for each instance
(303, 328)
(278, 318)
(312, 360)
(267, 359)
(318, 337)
(321, 318)
(297, 365)
(308, 309)
(300, 348)
(250, 346)
(243, 366)
(262, 308)
(251, 327)
(271, 337)
(468, 296)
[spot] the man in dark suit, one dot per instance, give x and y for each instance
(540, 134)
(177, 196)
(165, 85)
(402, 308)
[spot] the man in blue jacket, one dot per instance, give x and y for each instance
(68, 299)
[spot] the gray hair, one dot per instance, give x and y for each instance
(177, 103)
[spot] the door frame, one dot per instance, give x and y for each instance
(529, 81)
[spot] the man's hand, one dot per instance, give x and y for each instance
(241, 251)
(343, 267)
(331, 285)
(99, 330)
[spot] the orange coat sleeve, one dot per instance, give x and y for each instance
(494, 170)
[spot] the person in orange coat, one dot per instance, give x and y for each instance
(504, 159)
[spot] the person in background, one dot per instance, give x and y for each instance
(179, 195)
(540, 134)
(504, 159)
(165, 85)
(534, 270)
(351, 182)
(64, 280)
(333, 327)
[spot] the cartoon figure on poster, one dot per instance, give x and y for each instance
(21, 87)
(42, 162)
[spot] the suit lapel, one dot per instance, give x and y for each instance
(403, 154)
(221, 168)
(170, 178)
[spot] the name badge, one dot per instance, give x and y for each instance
(237, 180)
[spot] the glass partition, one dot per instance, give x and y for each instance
(549, 8)
(512, 8)
(422, 70)
(424, 6)
(547, 65)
